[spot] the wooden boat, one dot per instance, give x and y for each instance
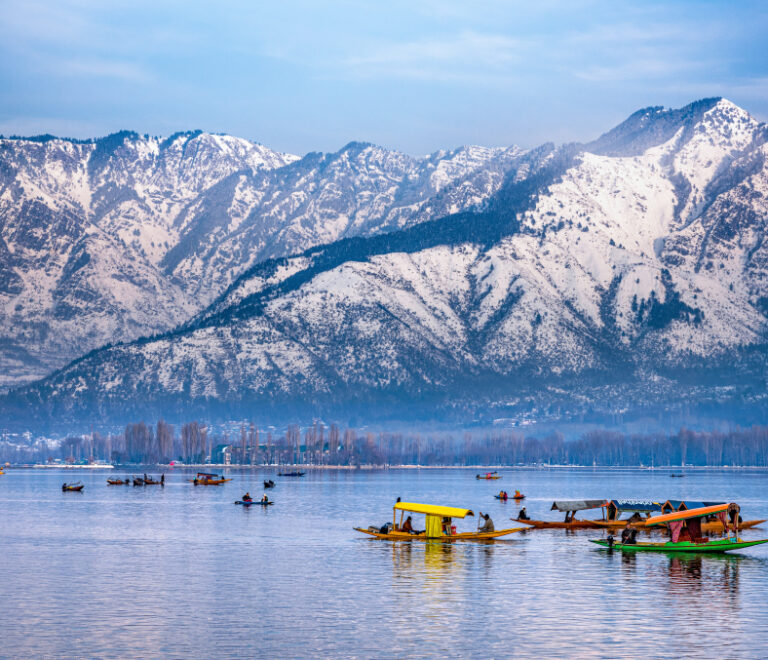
(118, 482)
(488, 476)
(149, 481)
(709, 526)
(711, 547)
(206, 479)
(685, 529)
(569, 507)
(253, 503)
(137, 481)
(438, 525)
(291, 474)
(74, 487)
(269, 484)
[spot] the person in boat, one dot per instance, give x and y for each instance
(518, 494)
(632, 540)
(247, 498)
(408, 526)
(522, 515)
(626, 533)
(264, 498)
(162, 479)
(487, 525)
(502, 495)
(635, 517)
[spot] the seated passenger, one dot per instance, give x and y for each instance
(407, 526)
(522, 515)
(247, 498)
(264, 498)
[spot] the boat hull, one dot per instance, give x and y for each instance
(210, 482)
(552, 524)
(712, 527)
(711, 547)
(259, 503)
(466, 536)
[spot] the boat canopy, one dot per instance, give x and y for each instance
(208, 474)
(577, 505)
(685, 515)
(433, 510)
(684, 505)
(635, 505)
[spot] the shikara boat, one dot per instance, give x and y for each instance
(438, 525)
(686, 533)
(206, 479)
(488, 475)
(73, 487)
(119, 482)
(149, 481)
(710, 526)
(641, 511)
(291, 474)
(569, 507)
(138, 481)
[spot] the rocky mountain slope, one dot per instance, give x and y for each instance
(627, 274)
(108, 240)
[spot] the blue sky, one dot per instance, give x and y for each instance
(417, 76)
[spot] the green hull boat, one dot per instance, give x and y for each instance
(716, 546)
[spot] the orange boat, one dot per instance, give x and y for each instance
(569, 507)
(206, 479)
(488, 476)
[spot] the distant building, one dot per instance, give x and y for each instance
(221, 455)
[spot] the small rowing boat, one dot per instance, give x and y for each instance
(118, 482)
(72, 488)
(269, 484)
(438, 525)
(489, 476)
(253, 503)
(206, 479)
(291, 474)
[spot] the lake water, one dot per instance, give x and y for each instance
(181, 571)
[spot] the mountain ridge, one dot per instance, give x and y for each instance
(583, 282)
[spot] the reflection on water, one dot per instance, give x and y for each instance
(147, 572)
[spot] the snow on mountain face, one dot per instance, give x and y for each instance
(610, 260)
(108, 240)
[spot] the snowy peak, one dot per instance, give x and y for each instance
(649, 128)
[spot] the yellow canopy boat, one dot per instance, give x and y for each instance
(438, 525)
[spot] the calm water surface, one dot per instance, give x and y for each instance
(181, 571)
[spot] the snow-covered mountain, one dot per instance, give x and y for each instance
(628, 272)
(108, 240)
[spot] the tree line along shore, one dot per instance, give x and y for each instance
(322, 445)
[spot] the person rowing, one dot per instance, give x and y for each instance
(264, 498)
(407, 526)
(247, 498)
(522, 515)
(487, 525)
